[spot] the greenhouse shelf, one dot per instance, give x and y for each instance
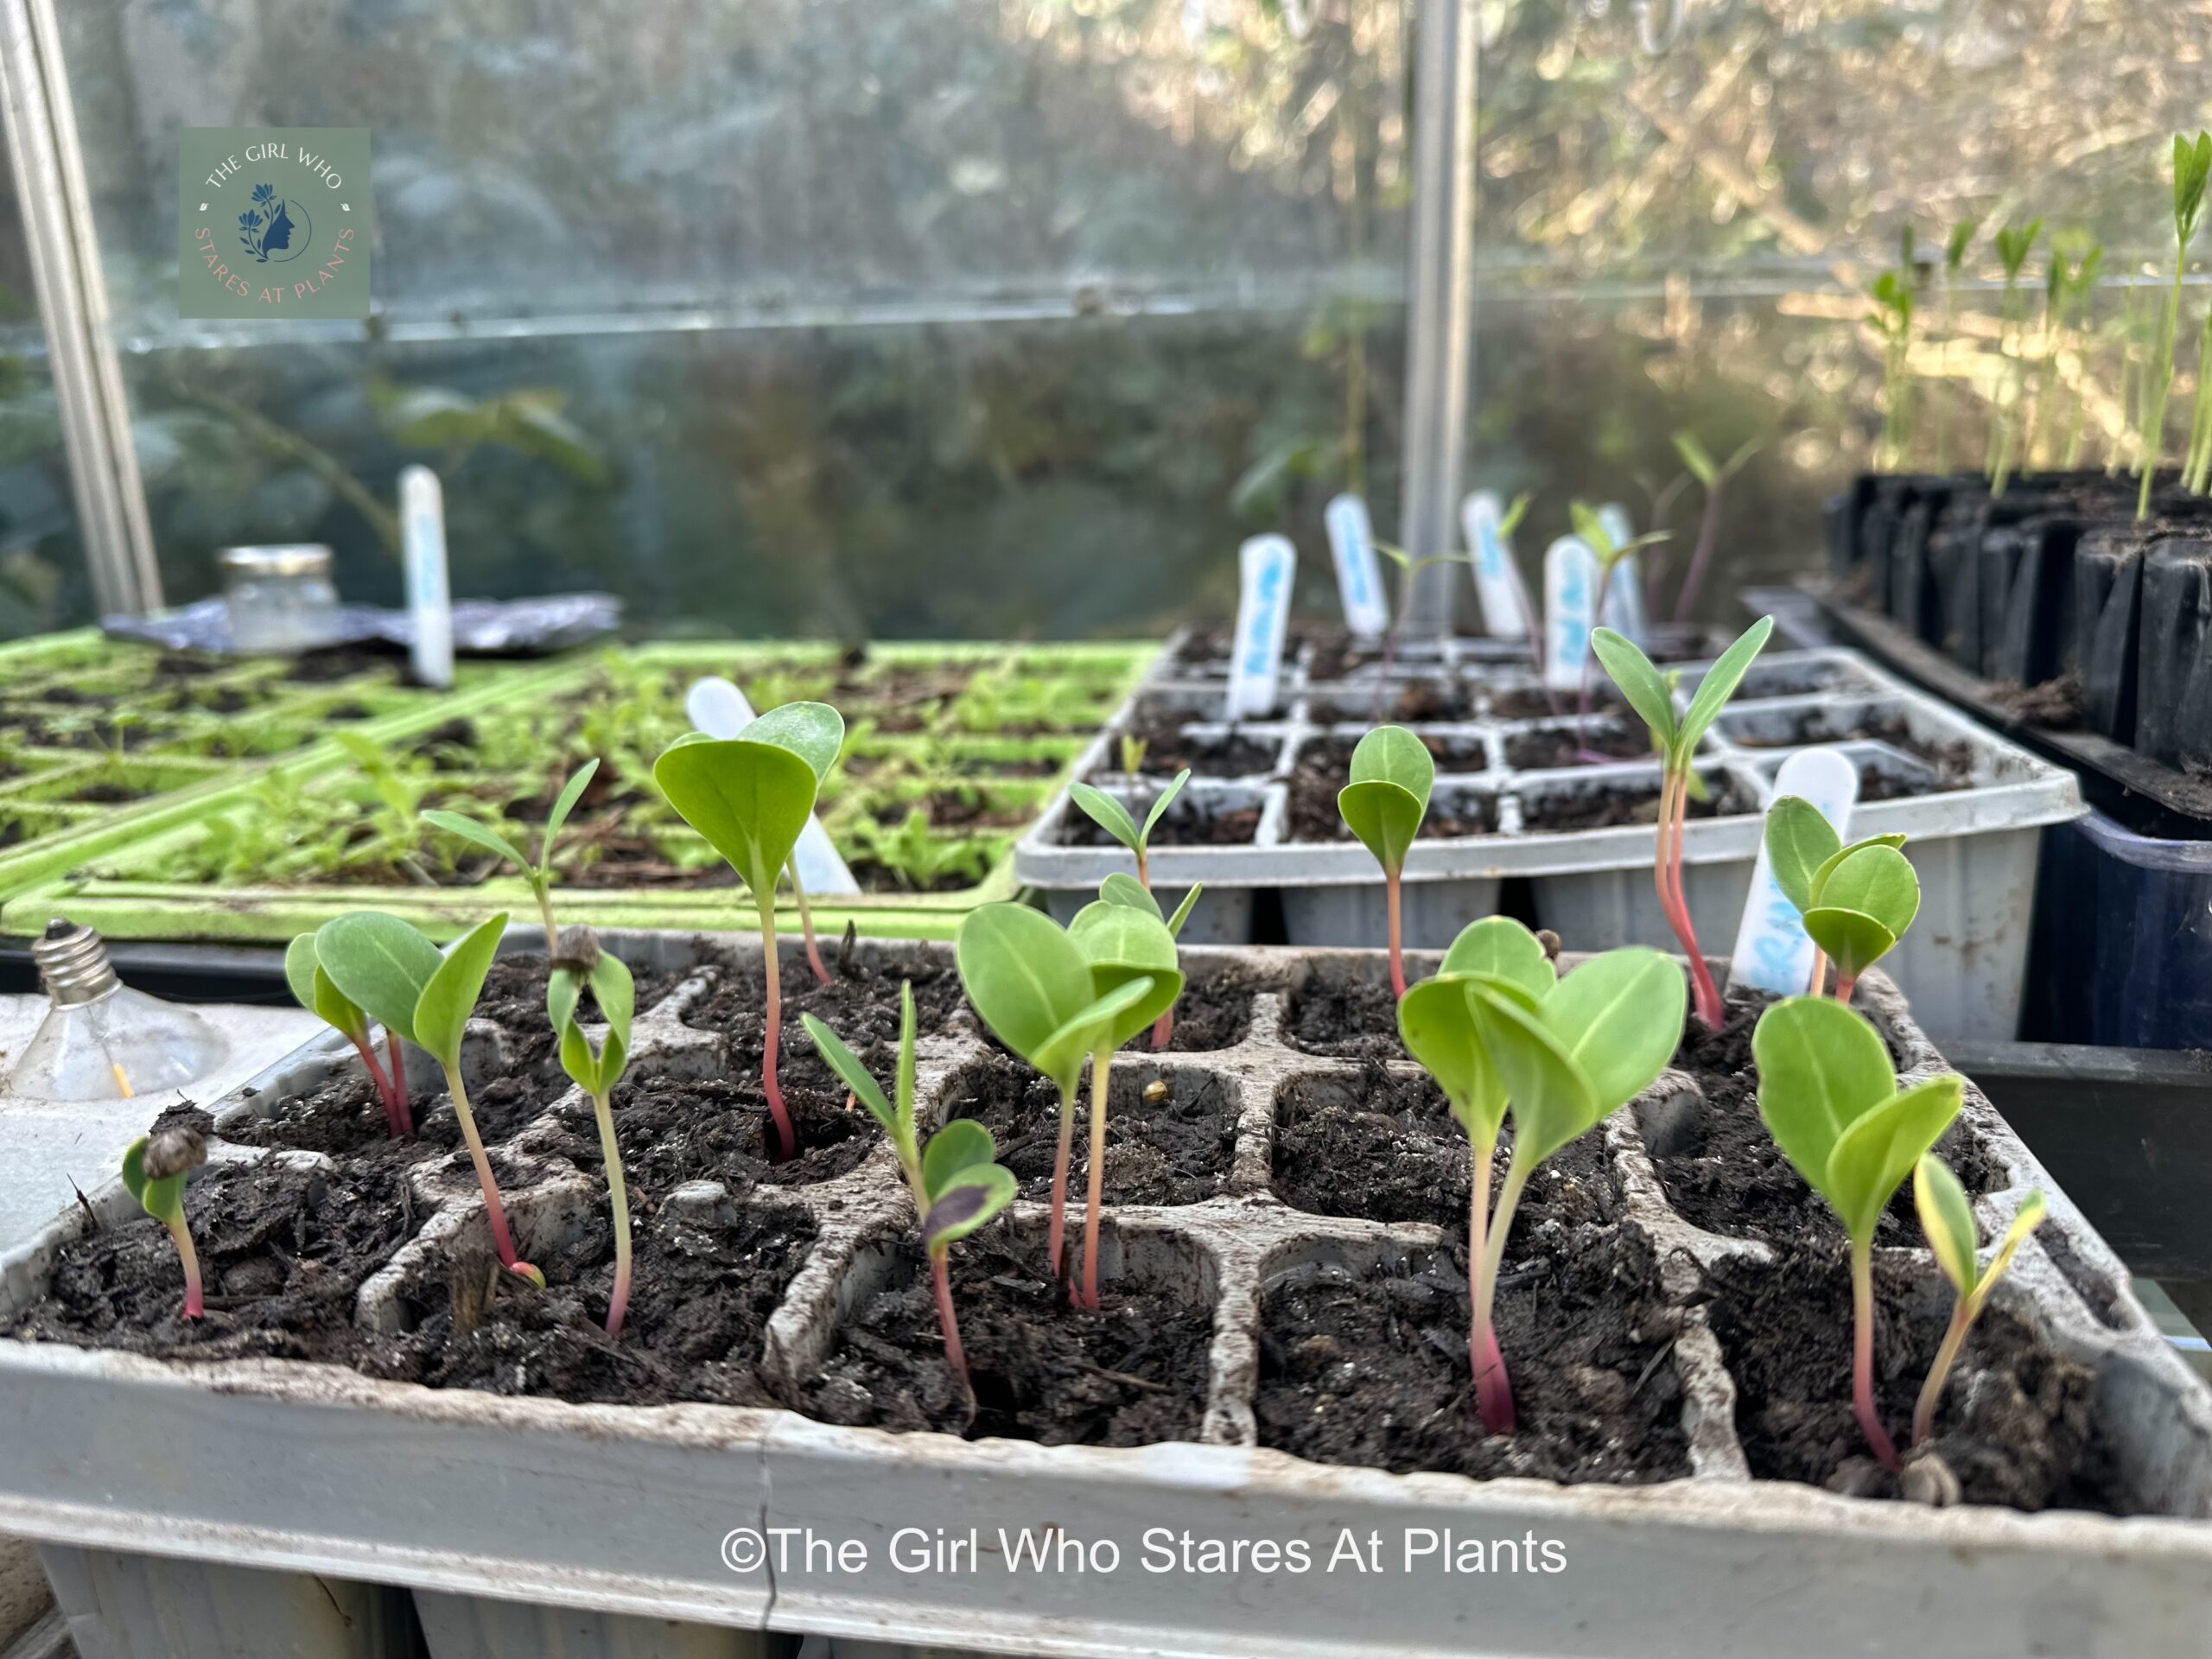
(987, 733)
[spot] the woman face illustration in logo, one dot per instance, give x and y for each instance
(275, 228)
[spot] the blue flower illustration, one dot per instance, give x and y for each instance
(248, 219)
(263, 192)
(269, 230)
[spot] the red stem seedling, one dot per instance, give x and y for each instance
(1392, 775)
(314, 991)
(1856, 902)
(1829, 1098)
(1714, 476)
(1676, 741)
(155, 1170)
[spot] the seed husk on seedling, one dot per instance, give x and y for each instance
(1830, 1099)
(751, 796)
(315, 991)
(1500, 1033)
(1034, 987)
(155, 1169)
(579, 963)
(539, 874)
(1392, 776)
(1947, 1220)
(1648, 693)
(1114, 818)
(1857, 901)
(957, 1183)
(394, 973)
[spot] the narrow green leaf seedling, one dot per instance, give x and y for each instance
(1566, 1057)
(1947, 1220)
(750, 796)
(1676, 741)
(1409, 572)
(1114, 818)
(1590, 525)
(539, 874)
(1436, 1019)
(579, 964)
(1877, 900)
(1831, 1101)
(1392, 774)
(395, 974)
(1955, 256)
(2192, 170)
(1713, 477)
(155, 1169)
(314, 991)
(1033, 986)
(2013, 244)
(957, 1183)
(1124, 944)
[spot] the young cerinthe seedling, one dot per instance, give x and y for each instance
(1392, 774)
(154, 1170)
(1947, 1219)
(1713, 477)
(751, 796)
(1125, 944)
(315, 992)
(2192, 170)
(399, 978)
(579, 963)
(1114, 818)
(1034, 987)
(2013, 244)
(1857, 901)
(1501, 1034)
(1647, 692)
(1954, 258)
(540, 874)
(957, 1183)
(1831, 1101)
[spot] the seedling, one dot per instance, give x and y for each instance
(581, 963)
(1114, 818)
(1830, 1099)
(1894, 302)
(957, 1184)
(398, 978)
(539, 874)
(1561, 1056)
(1947, 1219)
(318, 994)
(1713, 478)
(2013, 244)
(1591, 527)
(155, 1169)
(751, 796)
(1955, 256)
(1392, 774)
(1409, 571)
(1133, 750)
(1857, 901)
(1033, 986)
(1676, 741)
(1125, 944)
(2192, 169)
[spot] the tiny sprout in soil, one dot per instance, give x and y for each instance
(1857, 901)
(393, 972)
(1114, 818)
(957, 1184)
(1392, 774)
(1648, 693)
(155, 1170)
(1499, 1031)
(540, 874)
(1831, 1101)
(579, 964)
(1947, 1219)
(1035, 987)
(318, 994)
(751, 796)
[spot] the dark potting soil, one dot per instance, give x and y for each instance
(1174, 1150)
(1533, 702)
(1550, 746)
(1314, 814)
(673, 1129)
(1134, 1373)
(1372, 1369)
(1423, 699)
(1627, 804)
(1205, 646)
(1185, 824)
(1346, 1019)
(344, 1119)
(1726, 1173)
(337, 663)
(1169, 748)
(513, 998)
(282, 1253)
(2059, 705)
(860, 1003)
(1951, 762)
(2015, 1424)
(956, 808)
(701, 1297)
(1215, 1012)
(1386, 1148)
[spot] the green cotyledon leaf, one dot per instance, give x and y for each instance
(314, 990)
(1946, 1222)
(1873, 1155)
(970, 1198)
(813, 731)
(1799, 840)
(442, 1012)
(1027, 982)
(1122, 943)
(1391, 776)
(1644, 686)
(378, 964)
(1820, 1067)
(749, 800)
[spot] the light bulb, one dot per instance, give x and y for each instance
(100, 1040)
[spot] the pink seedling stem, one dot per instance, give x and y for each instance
(1100, 1069)
(1056, 1237)
(396, 1069)
(1667, 873)
(941, 1277)
(1393, 896)
(195, 1306)
(1493, 1387)
(1862, 1354)
(771, 1041)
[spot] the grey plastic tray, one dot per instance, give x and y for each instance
(1975, 847)
(312, 1469)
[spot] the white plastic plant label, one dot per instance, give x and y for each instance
(1773, 952)
(1359, 574)
(1570, 606)
(1265, 566)
(1497, 578)
(716, 707)
(429, 589)
(1624, 612)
